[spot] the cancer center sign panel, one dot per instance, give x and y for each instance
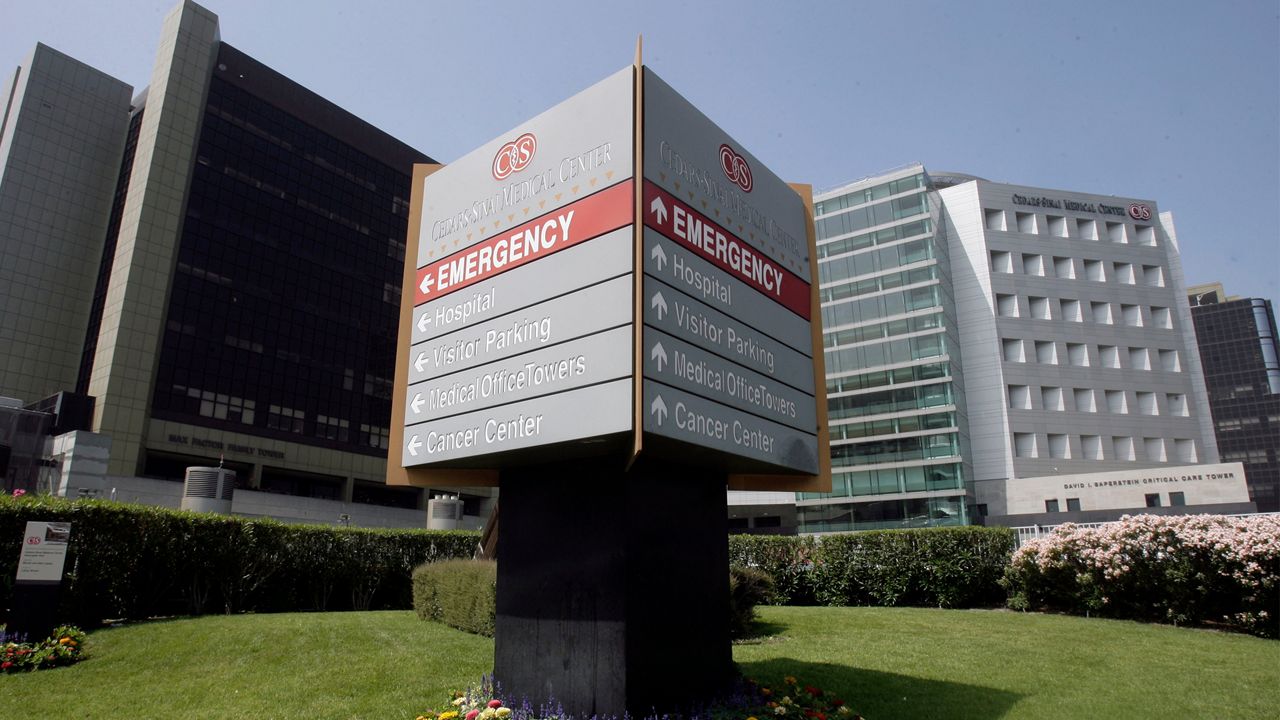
(727, 341)
(522, 320)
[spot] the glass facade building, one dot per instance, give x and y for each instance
(1241, 354)
(894, 392)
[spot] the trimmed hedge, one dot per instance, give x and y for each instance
(136, 561)
(953, 567)
(459, 593)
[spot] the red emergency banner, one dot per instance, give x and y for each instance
(678, 221)
(548, 234)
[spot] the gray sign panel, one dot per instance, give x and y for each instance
(581, 145)
(577, 363)
(584, 312)
(667, 261)
(682, 416)
(605, 257)
(685, 366)
(680, 315)
(574, 415)
(685, 152)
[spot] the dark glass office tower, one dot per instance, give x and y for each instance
(1241, 356)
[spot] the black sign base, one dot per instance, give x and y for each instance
(613, 588)
(34, 613)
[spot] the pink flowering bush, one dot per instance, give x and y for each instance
(1182, 569)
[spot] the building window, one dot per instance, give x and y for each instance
(1078, 354)
(1026, 223)
(1093, 271)
(286, 419)
(1161, 318)
(1177, 499)
(1051, 505)
(1123, 448)
(1033, 264)
(374, 436)
(1019, 397)
(1059, 446)
(1007, 305)
(1147, 403)
(1001, 261)
(1084, 400)
(1123, 273)
(1051, 399)
(1024, 445)
(1132, 315)
(1046, 352)
(332, 428)
(1153, 499)
(1169, 361)
(1071, 311)
(1064, 268)
(1039, 307)
(1091, 447)
(1073, 504)
(1012, 350)
(1101, 312)
(1145, 234)
(1153, 275)
(1117, 402)
(994, 219)
(1057, 225)
(1139, 359)
(1116, 234)
(1155, 449)
(1087, 229)
(1108, 356)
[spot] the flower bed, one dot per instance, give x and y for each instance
(64, 647)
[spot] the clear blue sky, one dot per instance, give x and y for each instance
(1174, 101)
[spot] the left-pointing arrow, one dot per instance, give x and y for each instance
(414, 444)
(417, 403)
(427, 282)
(422, 358)
(423, 322)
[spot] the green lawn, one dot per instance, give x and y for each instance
(887, 663)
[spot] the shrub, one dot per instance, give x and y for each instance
(936, 567)
(1183, 569)
(136, 561)
(459, 593)
(748, 587)
(787, 560)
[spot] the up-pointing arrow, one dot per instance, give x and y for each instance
(659, 303)
(659, 355)
(417, 403)
(422, 358)
(423, 322)
(659, 256)
(658, 408)
(427, 281)
(414, 444)
(659, 210)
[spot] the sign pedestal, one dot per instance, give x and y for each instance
(35, 611)
(613, 588)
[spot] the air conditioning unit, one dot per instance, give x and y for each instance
(444, 513)
(208, 489)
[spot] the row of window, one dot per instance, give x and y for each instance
(881, 259)
(883, 305)
(893, 426)
(1176, 499)
(222, 406)
(897, 449)
(885, 402)
(868, 216)
(1053, 352)
(1060, 446)
(867, 195)
(884, 236)
(1100, 312)
(920, 478)
(1092, 400)
(893, 352)
(1030, 223)
(1076, 268)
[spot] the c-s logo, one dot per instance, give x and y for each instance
(514, 156)
(735, 168)
(1139, 212)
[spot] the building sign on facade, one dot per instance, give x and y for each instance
(572, 282)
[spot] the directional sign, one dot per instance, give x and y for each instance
(711, 241)
(685, 366)
(678, 314)
(583, 413)
(599, 307)
(596, 260)
(699, 279)
(585, 361)
(689, 418)
(727, 298)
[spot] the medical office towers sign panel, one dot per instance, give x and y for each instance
(528, 302)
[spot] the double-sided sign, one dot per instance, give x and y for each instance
(559, 296)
